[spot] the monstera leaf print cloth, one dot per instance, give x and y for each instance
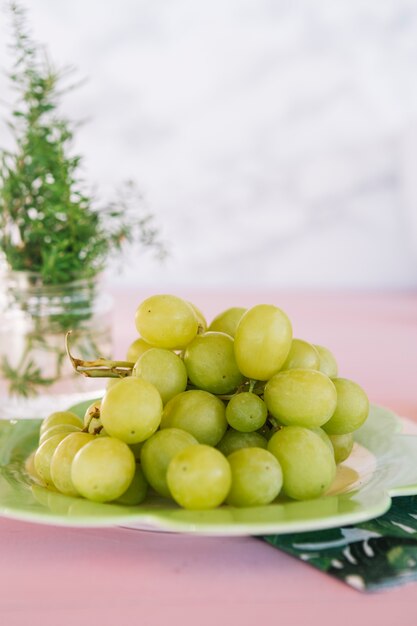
(370, 556)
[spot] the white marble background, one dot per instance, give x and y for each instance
(275, 140)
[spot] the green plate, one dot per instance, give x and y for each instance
(381, 466)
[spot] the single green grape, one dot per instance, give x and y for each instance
(166, 321)
(92, 421)
(302, 354)
(262, 341)
(60, 417)
(198, 412)
(307, 463)
(138, 347)
(199, 477)
(57, 429)
(137, 490)
(227, 321)
(131, 410)
(164, 369)
(301, 397)
(351, 410)
(234, 440)
(256, 477)
(62, 458)
(103, 469)
(327, 363)
(157, 453)
(43, 457)
(211, 364)
(342, 446)
(246, 412)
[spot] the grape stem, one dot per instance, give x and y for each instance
(99, 368)
(244, 387)
(104, 368)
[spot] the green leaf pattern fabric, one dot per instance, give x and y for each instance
(370, 556)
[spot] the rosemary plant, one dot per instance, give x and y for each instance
(49, 224)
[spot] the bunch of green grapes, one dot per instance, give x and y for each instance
(234, 412)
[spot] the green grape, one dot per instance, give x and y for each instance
(256, 477)
(301, 397)
(302, 354)
(197, 412)
(57, 429)
(43, 456)
(327, 364)
(157, 453)
(131, 410)
(246, 412)
(234, 440)
(342, 446)
(202, 322)
(61, 461)
(166, 321)
(199, 477)
(92, 421)
(227, 321)
(136, 349)
(211, 364)
(307, 463)
(164, 369)
(351, 410)
(103, 469)
(137, 490)
(262, 341)
(60, 417)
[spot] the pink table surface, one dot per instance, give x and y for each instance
(65, 576)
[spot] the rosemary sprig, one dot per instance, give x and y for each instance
(49, 222)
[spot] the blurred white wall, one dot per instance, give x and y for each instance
(275, 140)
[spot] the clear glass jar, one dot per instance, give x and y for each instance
(36, 376)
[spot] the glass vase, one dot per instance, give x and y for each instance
(36, 376)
